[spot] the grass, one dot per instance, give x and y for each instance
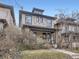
(43, 54)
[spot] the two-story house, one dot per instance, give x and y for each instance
(6, 16)
(41, 25)
(6, 19)
(68, 34)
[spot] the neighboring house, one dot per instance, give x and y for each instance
(6, 16)
(41, 25)
(68, 34)
(6, 19)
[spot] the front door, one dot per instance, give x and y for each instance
(47, 36)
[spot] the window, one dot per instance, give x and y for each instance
(49, 37)
(3, 13)
(49, 23)
(71, 28)
(63, 28)
(34, 34)
(66, 28)
(77, 28)
(44, 36)
(39, 19)
(74, 38)
(1, 26)
(28, 20)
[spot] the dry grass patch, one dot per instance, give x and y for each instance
(43, 54)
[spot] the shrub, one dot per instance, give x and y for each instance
(47, 46)
(12, 36)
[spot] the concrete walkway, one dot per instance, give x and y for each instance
(72, 54)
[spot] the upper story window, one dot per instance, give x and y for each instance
(63, 28)
(49, 22)
(28, 19)
(3, 13)
(1, 26)
(66, 27)
(71, 28)
(39, 19)
(37, 12)
(77, 28)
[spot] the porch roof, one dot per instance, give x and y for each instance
(70, 32)
(42, 29)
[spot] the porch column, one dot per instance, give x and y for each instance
(70, 39)
(49, 37)
(52, 38)
(56, 36)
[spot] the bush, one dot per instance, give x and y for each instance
(28, 41)
(47, 46)
(23, 47)
(9, 41)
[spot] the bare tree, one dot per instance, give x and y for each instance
(29, 38)
(60, 13)
(9, 42)
(75, 14)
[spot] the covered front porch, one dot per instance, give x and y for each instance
(42, 33)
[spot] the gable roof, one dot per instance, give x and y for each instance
(26, 12)
(11, 10)
(67, 21)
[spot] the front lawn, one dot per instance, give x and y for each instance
(43, 54)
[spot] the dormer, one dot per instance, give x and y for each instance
(37, 11)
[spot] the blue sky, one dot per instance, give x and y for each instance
(50, 6)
